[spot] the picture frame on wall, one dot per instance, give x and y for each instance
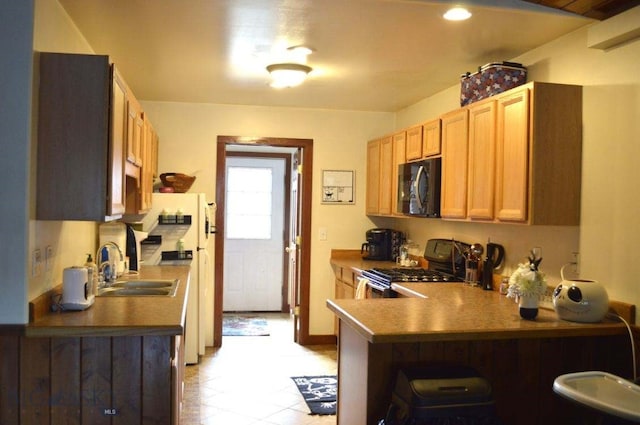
(338, 187)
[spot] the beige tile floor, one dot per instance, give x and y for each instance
(248, 380)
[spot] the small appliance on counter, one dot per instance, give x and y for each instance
(77, 292)
(382, 244)
(133, 247)
(493, 261)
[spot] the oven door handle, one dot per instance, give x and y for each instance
(376, 286)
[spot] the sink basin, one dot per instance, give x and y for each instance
(143, 284)
(601, 391)
(120, 292)
(149, 287)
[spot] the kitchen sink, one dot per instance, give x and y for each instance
(149, 287)
(144, 284)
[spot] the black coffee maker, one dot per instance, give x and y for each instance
(380, 244)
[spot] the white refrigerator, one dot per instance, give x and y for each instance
(179, 227)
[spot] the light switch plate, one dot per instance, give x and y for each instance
(36, 262)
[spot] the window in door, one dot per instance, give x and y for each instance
(249, 199)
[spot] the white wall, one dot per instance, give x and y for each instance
(608, 232)
(70, 240)
(16, 35)
(188, 134)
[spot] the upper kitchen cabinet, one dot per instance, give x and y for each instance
(381, 176)
(517, 160)
(135, 130)
(482, 161)
(82, 119)
(149, 170)
(414, 143)
(90, 140)
(399, 157)
(453, 199)
(423, 140)
(539, 154)
(431, 131)
(373, 177)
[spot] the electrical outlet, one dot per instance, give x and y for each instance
(36, 262)
(48, 260)
(576, 262)
(322, 233)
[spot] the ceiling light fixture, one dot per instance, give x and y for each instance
(288, 74)
(457, 14)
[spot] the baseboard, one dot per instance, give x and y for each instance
(319, 340)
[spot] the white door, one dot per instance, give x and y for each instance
(254, 229)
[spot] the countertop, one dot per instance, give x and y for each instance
(454, 311)
(119, 316)
(353, 259)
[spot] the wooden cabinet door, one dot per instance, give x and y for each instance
(386, 176)
(512, 156)
(431, 138)
(116, 181)
(414, 143)
(373, 176)
(146, 174)
(399, 157)
(453, 200)
(482, 143)
(135, 131)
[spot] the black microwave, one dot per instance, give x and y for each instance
(419, 188)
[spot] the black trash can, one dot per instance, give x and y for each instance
(441, 394)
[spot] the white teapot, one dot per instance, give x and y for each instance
(581, 300)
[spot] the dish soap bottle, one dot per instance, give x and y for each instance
(181, 252)
(92, 274)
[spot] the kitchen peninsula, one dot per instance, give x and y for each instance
(454, 322)
(119, 361)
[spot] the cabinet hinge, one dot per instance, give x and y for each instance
(296, 310)
(300, 169)
(298, 240)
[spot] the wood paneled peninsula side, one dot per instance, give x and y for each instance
(119, 362)
(453, 322)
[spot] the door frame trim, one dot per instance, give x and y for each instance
(286, 213)
(306, 145)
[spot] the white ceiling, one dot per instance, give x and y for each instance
(373, 55)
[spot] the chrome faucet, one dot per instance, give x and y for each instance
(106, 279)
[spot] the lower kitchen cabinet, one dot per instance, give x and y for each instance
(345, 285)
(91, 380)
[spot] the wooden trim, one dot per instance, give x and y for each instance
(77, 380)
(284, 308)
(41, 305)
(306, 145)
(321, 340)
(624, 310)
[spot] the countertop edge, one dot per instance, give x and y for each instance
(123, 316)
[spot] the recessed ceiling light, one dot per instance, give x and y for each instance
(457, 14)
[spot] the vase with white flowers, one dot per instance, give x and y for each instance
(527, 284)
